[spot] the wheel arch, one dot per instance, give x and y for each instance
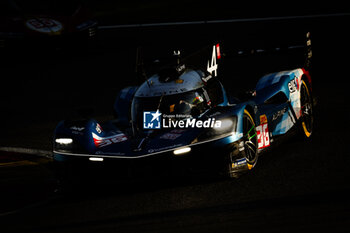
(240, 112)
(250, 109)
(307, 78)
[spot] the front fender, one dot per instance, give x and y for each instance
(80, 131)
(239, 112)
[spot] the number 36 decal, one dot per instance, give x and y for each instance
(262, 133)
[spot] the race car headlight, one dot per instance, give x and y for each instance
(182, 150)
(64, 141)
(96, 159)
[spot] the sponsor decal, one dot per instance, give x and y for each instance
(263, 119)
(279, 113)
(239, 163)
(180, 68)
(164, 148)
(293, 85)
(262, 132)
(98, 128)
(77, 130)
(207, 78)
(106, 141)
(109, 153)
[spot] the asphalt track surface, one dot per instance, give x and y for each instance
(298, 187)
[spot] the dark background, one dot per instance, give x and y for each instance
(298, 187)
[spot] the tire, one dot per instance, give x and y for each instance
(250, 144)
(307, 118)
(250, 140)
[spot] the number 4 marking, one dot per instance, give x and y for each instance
(262, 132)
(213, 66)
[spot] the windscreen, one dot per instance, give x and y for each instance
(179, 106)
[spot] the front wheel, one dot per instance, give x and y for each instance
(245, 156)
(307, 118)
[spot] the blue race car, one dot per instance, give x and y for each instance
(182, 118)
